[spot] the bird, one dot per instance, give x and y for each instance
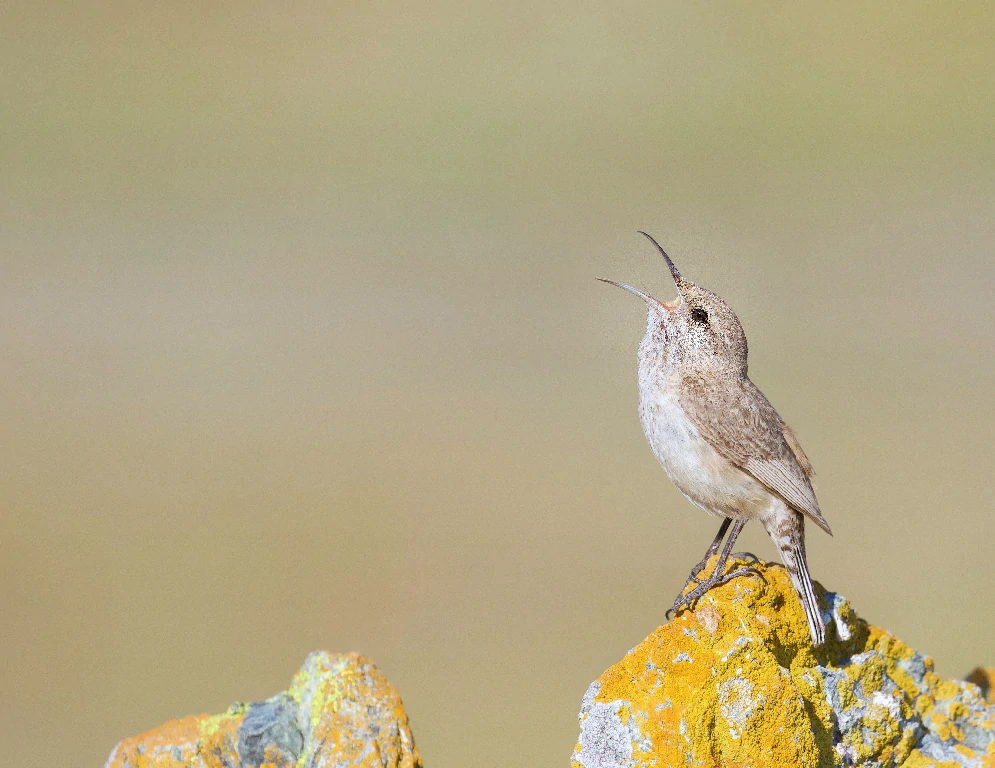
(719, 439)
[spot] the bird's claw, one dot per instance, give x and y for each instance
(747, 556)
(687, 600)
(692, 579)
(693, 576)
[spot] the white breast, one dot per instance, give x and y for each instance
(706, 478)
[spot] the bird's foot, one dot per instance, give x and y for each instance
(692, 579)
(687, 599)
(752, 558)
(693, 576)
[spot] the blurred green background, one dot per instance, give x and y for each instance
(302, 346)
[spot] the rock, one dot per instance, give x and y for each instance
(737, 682)
(339, 711)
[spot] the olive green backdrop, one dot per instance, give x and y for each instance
(302, 346)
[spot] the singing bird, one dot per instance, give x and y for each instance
(719, 439)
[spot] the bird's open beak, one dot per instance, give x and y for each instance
(641, 294)
(678, 280)
(670, 306)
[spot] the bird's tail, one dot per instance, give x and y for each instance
(791, 544)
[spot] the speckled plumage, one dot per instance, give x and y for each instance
(715, 434)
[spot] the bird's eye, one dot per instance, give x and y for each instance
(699, 315)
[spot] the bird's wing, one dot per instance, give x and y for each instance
(792, 440)
(785, 477)
(739, 422)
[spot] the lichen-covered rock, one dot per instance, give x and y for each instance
(737, 682)
(339, 711)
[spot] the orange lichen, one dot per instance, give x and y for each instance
(177, 743)
(737, 681)
(339, 709)
(338, 691)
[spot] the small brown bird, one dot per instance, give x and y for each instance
(718, 438)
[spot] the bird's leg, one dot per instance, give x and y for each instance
(717, 577)
(712, 549)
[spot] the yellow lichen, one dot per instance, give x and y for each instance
(947, 690)
(737, 681)
(919, 760)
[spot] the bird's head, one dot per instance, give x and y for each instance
(697, 330)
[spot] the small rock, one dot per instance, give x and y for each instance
(738, 682)
(339, 711)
